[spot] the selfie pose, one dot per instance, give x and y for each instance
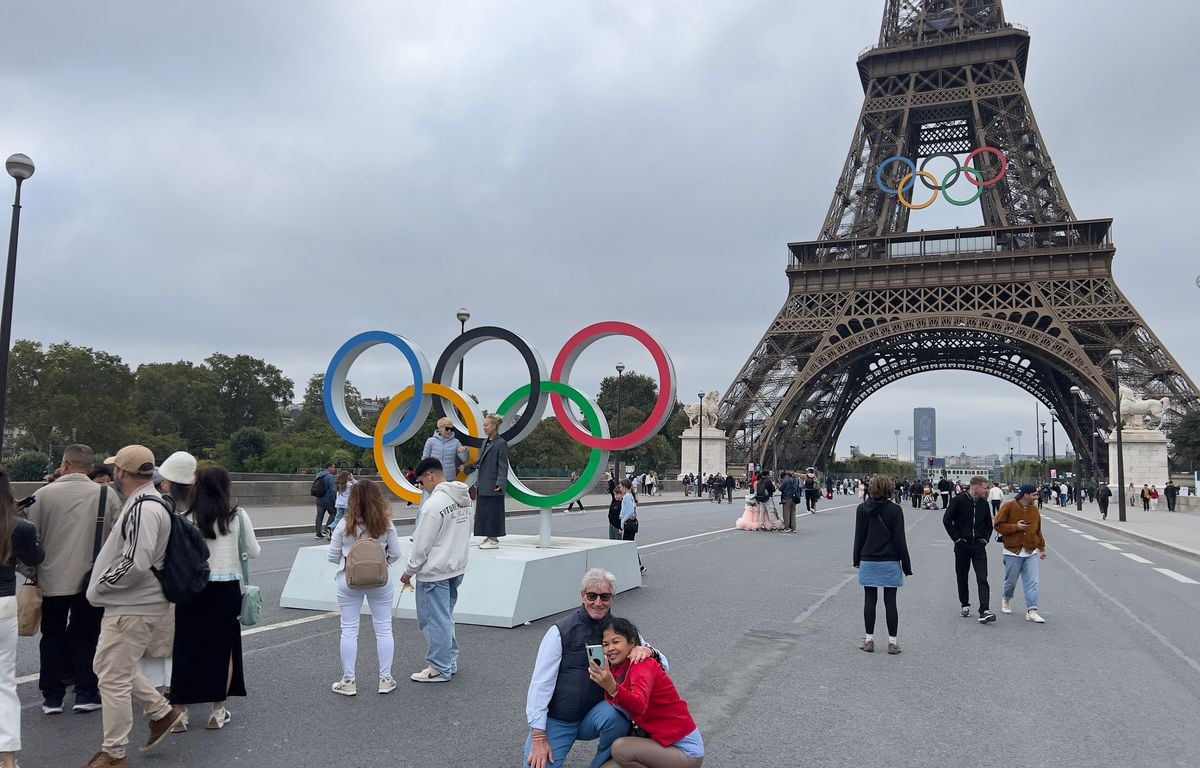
(644, 691)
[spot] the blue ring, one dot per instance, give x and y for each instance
(355, 347)
(879, 174)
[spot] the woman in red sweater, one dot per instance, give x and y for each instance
(645, 693)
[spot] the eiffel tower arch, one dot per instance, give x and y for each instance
(1027, 297)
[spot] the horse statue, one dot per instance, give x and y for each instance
(704, 411)
(1134, 409)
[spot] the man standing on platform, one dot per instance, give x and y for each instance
(439, 560)
(968, 522)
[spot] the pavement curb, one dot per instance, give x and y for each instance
(295, 530)
(1177, 549)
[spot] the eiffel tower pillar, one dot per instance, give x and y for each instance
(1027, 297)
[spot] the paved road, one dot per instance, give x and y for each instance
(761, 629)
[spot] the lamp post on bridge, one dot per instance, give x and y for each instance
(618, 463)
(463, 316)
(1045, 473)
(700, 443)
(1115, 356)
(1053, 447)
(1078, 393)
(20, 167)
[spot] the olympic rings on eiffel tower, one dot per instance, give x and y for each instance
(908, 181)
(403, 416)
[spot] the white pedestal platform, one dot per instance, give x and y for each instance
(707, 452)
(1145, 453)
(503, 587)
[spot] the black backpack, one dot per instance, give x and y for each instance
(318, 487)
(763, 491)
(185, 567)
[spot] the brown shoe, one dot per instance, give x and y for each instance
(104, 760)
(893, 648)
(867, 645)
(162, 726)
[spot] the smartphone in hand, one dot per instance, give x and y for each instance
(596, 655)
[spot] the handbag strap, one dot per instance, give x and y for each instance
(97, 541)
(243, 556)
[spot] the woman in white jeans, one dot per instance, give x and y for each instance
(367, 516)
(18, 541)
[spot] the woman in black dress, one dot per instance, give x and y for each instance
(208, 634)
(493, 472)
(18, 542)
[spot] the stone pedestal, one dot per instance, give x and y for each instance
(712, 456)
(1145, 459)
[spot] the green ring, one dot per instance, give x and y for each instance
(596, 460)
(946, 188)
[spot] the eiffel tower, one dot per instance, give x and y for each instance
(1027, 297)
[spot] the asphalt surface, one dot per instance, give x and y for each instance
(761, 630)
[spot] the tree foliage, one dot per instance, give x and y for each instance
(251, 392)
(1185, 442)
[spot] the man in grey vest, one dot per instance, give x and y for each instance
(563, 705)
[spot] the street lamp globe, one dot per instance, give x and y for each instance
(1115, 355)
(19, 166)
(620, 368)
(1077, 391)
(463, 315)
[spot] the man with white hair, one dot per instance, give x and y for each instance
(563, 705)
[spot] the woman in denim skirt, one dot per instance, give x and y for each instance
(881, 557)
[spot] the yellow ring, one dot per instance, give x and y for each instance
(385, 457)
(927, 203)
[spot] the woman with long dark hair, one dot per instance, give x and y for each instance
(881, 557)
(207, 652)
(628, 518)
(18, 542)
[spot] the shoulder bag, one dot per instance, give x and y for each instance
(96, 540)
(251, 596)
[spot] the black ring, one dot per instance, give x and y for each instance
(957, 170)
(452, 356)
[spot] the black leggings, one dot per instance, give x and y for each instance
(871, 598)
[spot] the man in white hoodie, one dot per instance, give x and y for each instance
(438, 560)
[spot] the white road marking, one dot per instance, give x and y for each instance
(1138, 558)
(1074, 530)
(685, 538)
(1177, 576)
(1106, 545)
(1089, 537)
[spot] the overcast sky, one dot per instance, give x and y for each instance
(270, 178)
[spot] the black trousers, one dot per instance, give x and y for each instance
(1171, 503)
(1103, 507)
(325, 514)
(70, 631)
(967, 556)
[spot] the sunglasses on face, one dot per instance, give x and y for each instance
(604, 597)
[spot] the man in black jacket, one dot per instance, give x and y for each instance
(944, 488)
(968, 521)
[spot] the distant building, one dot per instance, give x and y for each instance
(924, 435)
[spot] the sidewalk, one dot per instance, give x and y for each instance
(1177, 532)
(293, 519)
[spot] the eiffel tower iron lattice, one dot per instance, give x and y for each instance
(1028, 297)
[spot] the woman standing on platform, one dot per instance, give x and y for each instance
(207, 654)
(493, 472)
(881, 557)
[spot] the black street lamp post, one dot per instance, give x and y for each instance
(1115, 355)
(617, 461)
(1075, 421)
(1053, 447)
(700, 444)
(463, 316)
(20, 167)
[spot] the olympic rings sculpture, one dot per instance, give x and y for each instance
(403, 416)
(973, 176)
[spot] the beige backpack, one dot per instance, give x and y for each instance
(366, 564)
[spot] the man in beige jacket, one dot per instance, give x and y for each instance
(72, 523)
(124, 584)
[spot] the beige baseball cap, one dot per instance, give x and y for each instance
(137, 459)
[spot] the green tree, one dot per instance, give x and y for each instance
(1185, 442)
(246, 445)
(179, 399)
(638, 392)
(28, 466)
(549, 446)
(251, 392)
(314, 397)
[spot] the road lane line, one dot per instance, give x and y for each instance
(1074, 530)
(1106, 545)
(1089, 537)
(685, 538)
(1138, 558)
(1177, 576)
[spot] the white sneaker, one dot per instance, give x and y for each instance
(1034, 616)
(387, 684)
(345, 687)
(428, 675)
(218, 719)
(1005, 605)
(489, 544)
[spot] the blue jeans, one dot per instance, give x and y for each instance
(602, 722)
(1027, 569)
(341, 512)
(435, 617)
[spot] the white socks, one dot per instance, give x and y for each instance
(892, 639)
(870, 637)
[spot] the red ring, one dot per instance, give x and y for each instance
(665, 386)
(998, 176)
